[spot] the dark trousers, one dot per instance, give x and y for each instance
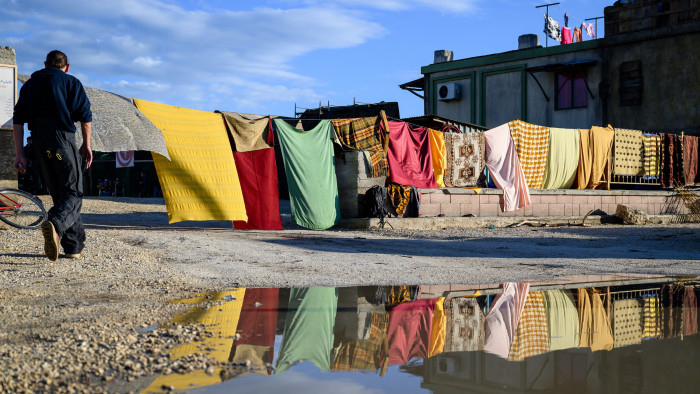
(62, 168)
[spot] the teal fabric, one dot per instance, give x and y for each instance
(309, 163)
(308, 328)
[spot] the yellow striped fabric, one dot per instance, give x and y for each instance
(200, 181)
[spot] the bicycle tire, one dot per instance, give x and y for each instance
(25, 210)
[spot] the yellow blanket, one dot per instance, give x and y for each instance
(532, 143)
(200, 181)
(596, 145)
(562, 160)
(437, 151)
(629, 152)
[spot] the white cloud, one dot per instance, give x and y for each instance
(165, 51)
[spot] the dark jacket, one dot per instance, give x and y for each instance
(52, 100)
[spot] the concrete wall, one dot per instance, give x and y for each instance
(7, 148)
(353, 181)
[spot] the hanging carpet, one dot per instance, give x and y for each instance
(465, 158)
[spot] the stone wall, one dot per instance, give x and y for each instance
(353, 181)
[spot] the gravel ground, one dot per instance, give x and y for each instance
(72, 325)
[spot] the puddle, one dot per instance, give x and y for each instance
(588, 334)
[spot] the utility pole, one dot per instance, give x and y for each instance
(546, 36)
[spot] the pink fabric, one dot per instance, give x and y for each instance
(503, 318)
(566, 35)
(410, 161)
(505, 169)
(409, 330)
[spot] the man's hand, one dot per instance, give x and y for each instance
(86, 152)
(20, 163)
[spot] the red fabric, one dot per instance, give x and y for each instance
(410, 161)
(257, 173)
(690, 158)
(409, 330)
(566, 35)
(257, 324)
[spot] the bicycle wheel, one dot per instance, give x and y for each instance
(21, 209)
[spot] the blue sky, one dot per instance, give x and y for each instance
(265, 56)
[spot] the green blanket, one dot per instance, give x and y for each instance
(308, 328)
(309, 163)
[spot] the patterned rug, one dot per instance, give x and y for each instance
(652, 154)
(465, 158)
(628, 152)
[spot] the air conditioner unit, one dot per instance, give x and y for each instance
(449, 91)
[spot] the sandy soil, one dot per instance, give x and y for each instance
(73, 324)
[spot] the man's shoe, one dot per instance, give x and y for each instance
(51, 240)
(73, 255)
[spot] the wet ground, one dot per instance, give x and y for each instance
(440, 339)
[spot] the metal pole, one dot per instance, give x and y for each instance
(596, 23)
(546, 36)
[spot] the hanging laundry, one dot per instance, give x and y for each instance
(248, 132)
(464, 158)
(503, 318)
(627, 322)
(409, 330)
(566, 35)
(437, 152)
(562, 158)
(466, 329)
(257, 172)
(578, 35)
(532, 335)
(690, 158)
(310, 168)
(532, 143)
(596, 332)
(651, 318)
(256, 329)
(589, 29)
(504, 168)
(551, 28)
(410, 161)
(672, 171)
(652, 155)
(629, 152)
(562, 319)
(200, 181)
(596, 145)
(308, 327)
(366, 134)
(438, 328)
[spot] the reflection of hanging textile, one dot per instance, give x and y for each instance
(308, 328)
(589, 29)
(562, 319)
(367, 352)
(565, 35)
(310, 168)
(562, 159)
(505, 169)
(465, 331)
(551, 28)
(532, 336)
(593, 322)
(200, 181)
(409, 330)
(672, 310)
(365, 134)
(532, 143)
(629, 152)
(596, 144)
(690, 158)
(465, 158)
(690, 311)
(248, 133)
(437, 151)
(256, 328)
(652, 155)
(410, 162)
(396, 295)
(257, 172)
(652, 326)
(627, 322)
(503, 318)
(437, 330)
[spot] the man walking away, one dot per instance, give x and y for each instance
(50, 102)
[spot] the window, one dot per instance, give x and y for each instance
(571, 90)
(631, 83)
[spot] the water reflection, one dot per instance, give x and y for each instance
(513, 337)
